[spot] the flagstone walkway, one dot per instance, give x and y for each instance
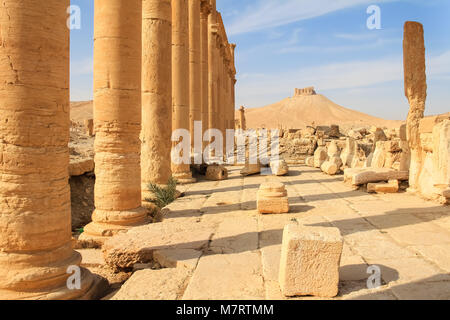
(238, 257)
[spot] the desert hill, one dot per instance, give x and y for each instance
(81, 110)
(305, 108)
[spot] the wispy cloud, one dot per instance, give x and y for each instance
(273, 13)
(335, 76)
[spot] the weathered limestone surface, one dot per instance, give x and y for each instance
(180, 80)
(117, 114)
(242, 123)
(412, 237)
(205, 10)
(81, 166)
(216, 172)
(139, 244)
(309, 161)
(156, 94)
(310, 259)
(279, 167)
(359, 176)
(272, 198)
(332, 166)
(35, 220)
(415, 91)
(320, 156)
(195, 68)
(251, 169)
(390, 187)
(177, 258)
(166, 284)
(212, 66)
(89, 126)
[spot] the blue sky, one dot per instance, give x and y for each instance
(283, 44)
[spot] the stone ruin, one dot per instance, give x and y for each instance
(176, 58)
(309, 91)
(152, 75)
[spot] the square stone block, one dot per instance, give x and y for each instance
(310, 259)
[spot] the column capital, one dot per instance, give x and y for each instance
(205, 8)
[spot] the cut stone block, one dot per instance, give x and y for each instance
(279, 167)
(310, 259)
(359, 176)
(138, 245)
(251, 169)
(391, 187)
(163, 284)
(216, 173)
(176, 258)
(80, 167)
(272, 198)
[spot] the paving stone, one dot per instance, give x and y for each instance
(402, 270)
(423, 290)
(163, 284)
(177, 258)
(227, 277)
(438, 253)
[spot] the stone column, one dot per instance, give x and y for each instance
(212, 70)
(242, 118)
(205, 11)
(180, 80)
(233, 84)
(117, 117)
(221, 90)
(195, 68)
(35, 221)
(416, 92)
(156, 94)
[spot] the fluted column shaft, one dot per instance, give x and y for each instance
(156, 93)
(205, 11)
(180, 80)
(195, 67)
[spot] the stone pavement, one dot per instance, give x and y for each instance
(238, 255)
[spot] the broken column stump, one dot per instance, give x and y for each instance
(272, 198)
(310, 259)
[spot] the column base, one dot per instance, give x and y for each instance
(92, 287)
(184, 177)
(106, 224)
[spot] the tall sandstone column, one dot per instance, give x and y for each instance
(233, 84)
(212, 70)
(195, 68)
(415, 91)
(117, 117)
(180, 80)
(156, 94)
(205, 11)
(35, 220)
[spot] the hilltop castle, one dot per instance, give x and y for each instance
(304, 92)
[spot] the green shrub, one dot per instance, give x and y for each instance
(163, 196)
